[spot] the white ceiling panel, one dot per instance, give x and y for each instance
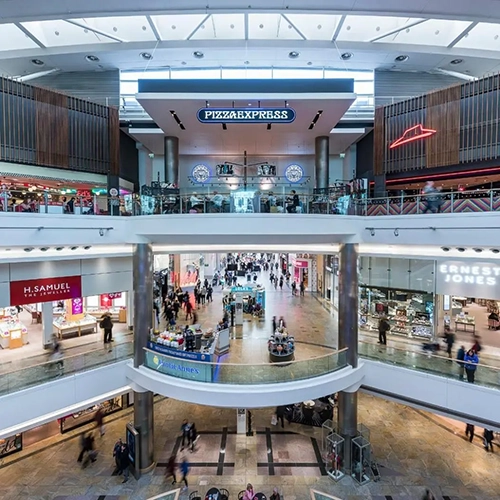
(366, 28)
(229, 26)
(264, 26)
(61, 33)
(12, 38)
(286, 31)
(177, 27)
(315, 26)
(485, 36)
(431, 32)
(131, 29)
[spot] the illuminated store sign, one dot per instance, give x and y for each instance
(413, 134)
(246, 115)
(45, 290)
(469, 279)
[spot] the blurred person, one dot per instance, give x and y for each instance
(488, 440)
(275, 495)
(124, 462)
(428, 495)
(249, 493)
(56, 355)
(430, 197)
(99, 421)
(469, 431)
(193, 436)
(302, 288)
(383, 328)
(450, 340)
(117, 449)
(460, 360)
(107, 325)
(184, 468)
(185, 433)
(170, 472)
(217, 200)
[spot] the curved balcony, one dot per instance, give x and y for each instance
(245, 385)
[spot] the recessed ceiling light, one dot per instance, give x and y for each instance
(146, 55)
(309, 63)
(91, 58)
(293, 54)
(28, 249)
(184, 63)
(59, 248)
(348, 28)
(346, 56)
(44, 249)
(246, 62)
(198, 54)
(115, 29)
(88, 247)
(261, 26)
(37, 62)
(231, 26)
(402, 58)
(74, 248)
(144, 28)
(457, 61)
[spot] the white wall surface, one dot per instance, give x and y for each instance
(47, 402)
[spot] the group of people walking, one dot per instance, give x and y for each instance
(488, 436)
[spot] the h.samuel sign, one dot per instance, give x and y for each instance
(246, 115)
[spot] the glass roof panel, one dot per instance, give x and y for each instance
(366, 28)
(206, 31)
(131, 28)
(437, 32)
(177, 27)
(12, 38)
(485, 36)
(263, 26)
(229, 26)
(60, 33)
(315, 26)
(286, 31)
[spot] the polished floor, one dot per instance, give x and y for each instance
(414, 452)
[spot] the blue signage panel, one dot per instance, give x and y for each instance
(246, 115)
(244, 289)
(180, 368)
(176, 353)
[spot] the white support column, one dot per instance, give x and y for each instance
(47, 322)
(130, 309)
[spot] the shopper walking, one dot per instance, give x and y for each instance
(193, 436)
(184, 468)
(249, 493)
(450, 340)
(170, 472)
(302, 288)
(469, 432)
(203, 295)
(185, 433)
(428, 496)
(281, 282)
(116, 455)
(99, 421)
(275, 325)
(124, 462)
(488, 440)
(189, 310)
(383, 328)
(107, 325)
(471, 360)
(294, 288)
(210, 291)
(460, 361)
(280, 414)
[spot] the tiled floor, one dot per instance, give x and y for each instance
(413, 451)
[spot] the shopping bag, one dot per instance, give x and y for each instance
(274, 420)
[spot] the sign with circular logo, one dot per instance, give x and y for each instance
(200, 173)
(113, 192)
(294, 173)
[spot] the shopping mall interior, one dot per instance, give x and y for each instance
(249, 250)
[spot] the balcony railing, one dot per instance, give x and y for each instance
(244, 374)
(486, 200)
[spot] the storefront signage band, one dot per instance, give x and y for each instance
(176, 353)
(468, 279)
(246, 115)
(45, 290)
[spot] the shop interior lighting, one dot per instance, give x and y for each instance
(315, 119)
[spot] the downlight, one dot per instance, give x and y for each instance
(28, 249)
(456, 61)
(293, 54)
(59, 248)
(91, 58)
(445, 249)
(198, 54)
(44, 249)
(346, 56)
(146, 55)
(478, 250)
(74, 248)
(37, 62)
(88, 247)
(460, 249)
(402, 58)
(495, 250)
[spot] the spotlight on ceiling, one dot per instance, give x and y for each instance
(59, 248)
(91, 58)
(445, 249)
(460, 249)
(88, 247)
(44, 249)
(495, 250)
(402, 58)
(293, 54)
(74, 248)
(478, 250)
(146, 55)
(28, 249)
(457, 61)
(346, 56)
(198, 54)
(37, 62)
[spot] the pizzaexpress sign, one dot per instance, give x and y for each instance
(246, 115)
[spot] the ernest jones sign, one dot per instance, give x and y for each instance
(45, 290)
(246, 115)
(468, 279)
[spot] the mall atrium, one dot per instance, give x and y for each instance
(249, 250)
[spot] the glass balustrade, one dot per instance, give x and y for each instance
(22, 378)
(253, 201)
(245, 374)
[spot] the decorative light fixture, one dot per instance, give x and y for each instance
(293, 54)
(146, 55)
(37, 62)
(402, 58)
(198, 54)
(91, 58)
(346, 56)
(457, 61)
(413, 134)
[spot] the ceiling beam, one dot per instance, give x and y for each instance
(293, 26)
(203, 21)
(336, 33)
(154, 29)
(464, 33)
(94, 30)
(246, 26)
(30, 35)
(398, 30)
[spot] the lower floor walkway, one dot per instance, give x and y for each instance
(415, 451)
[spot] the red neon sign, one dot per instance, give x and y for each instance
(413, 134)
